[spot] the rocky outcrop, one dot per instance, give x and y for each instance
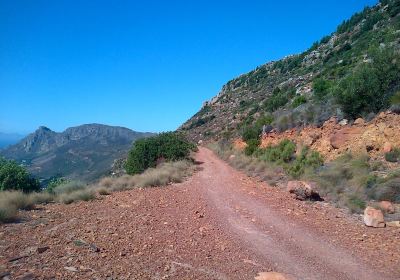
(331, 140)
(303, 190)
(373, 217)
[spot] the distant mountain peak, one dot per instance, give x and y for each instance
(81, 152)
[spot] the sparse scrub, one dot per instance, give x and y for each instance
(12, 201)
(165, 173)
(77, 195)
(393, 156)
(103, 191)
(69, 187)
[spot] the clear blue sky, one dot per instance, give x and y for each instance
(146, 65)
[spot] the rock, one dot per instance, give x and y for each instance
(359, 121)
(386, 207)
(303, 190)
(94, 248)
(232, 156)
(272, 276)
(71, 268)
(343, 122)
(339, 139)
(42, 249)
(393, 224)
(373, 217)
(200, 142)
(387, 147)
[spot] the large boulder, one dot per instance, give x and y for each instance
(303, 190)
(386, 206)
(343, 136)
(373, 217)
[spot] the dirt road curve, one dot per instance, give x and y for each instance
(219, 224)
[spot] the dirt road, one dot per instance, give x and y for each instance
(219, 224)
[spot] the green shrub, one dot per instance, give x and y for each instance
(252, 146)
(15, 177)
(321, 88)
(145, 153)
(283, 152)
(393, 156)
(367, 89)
(298, 100)
(278, 99)
(355, 204)
(69, 187)
(306, 159)
(55, 183)
(395, 99)
(251, 133)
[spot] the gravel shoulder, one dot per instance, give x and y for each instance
(219, 224)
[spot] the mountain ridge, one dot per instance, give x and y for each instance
(82, 152)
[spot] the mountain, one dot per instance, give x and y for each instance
(84, 152)
(7, 139)
(353, 72)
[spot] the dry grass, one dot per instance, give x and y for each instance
(78, 195)
(12, 201)
(69, 192)
(166, 173)
(252, 166)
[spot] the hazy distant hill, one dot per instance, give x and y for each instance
(83, 152)
(7, 139)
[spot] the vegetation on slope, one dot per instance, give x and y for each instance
(354, 72)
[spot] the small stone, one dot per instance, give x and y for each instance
(387, 147)
(71, 268)
(393, 224)
(42, 249)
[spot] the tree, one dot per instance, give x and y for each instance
(15, 177)
(369, 87)
(147, 152)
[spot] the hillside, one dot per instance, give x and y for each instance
(83, 152)
(354, 72)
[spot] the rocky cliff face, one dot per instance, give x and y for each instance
(334, 138)
(83, 152)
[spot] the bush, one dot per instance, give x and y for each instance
(283, 152)
(298, 100)
(69, 187)
(55, 183)
(367, 89)
(252, 146)
(321, 88)
(306, 159)
(393, 156)
(77, 195)
(147, 152)
(15, 177)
